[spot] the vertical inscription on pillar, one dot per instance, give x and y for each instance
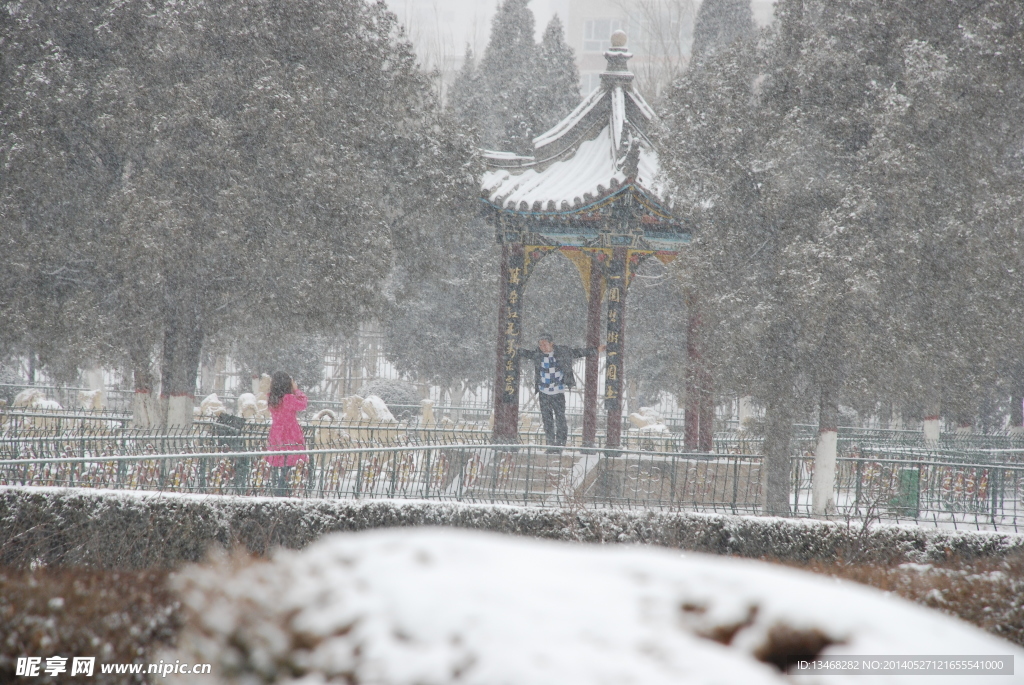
(616, 297)
(511, 328)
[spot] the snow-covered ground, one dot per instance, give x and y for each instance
(431, 606)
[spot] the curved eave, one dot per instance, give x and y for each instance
(566, 125)
(651, 201)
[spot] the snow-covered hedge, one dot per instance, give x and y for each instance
(113, 529)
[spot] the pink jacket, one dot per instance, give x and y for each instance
(285, 433)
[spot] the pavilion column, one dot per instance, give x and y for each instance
(506, 386)
(615, 345)
(593, 340)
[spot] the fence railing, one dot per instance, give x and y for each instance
(60, 424)
(873, 485)
(514, 474)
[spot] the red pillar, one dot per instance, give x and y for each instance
(615, 345)
(506, 385)
(593, 340)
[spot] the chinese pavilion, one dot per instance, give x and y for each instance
(592, 191)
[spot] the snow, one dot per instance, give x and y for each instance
(593, 170)
(580, 160)
(571, 121)
(618, 117)
(641, 104)
(438, 606)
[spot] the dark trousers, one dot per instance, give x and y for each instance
(279, 480)
(552, 413)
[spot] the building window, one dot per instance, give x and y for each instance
(597, 33)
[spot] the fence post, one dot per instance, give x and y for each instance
(428, 454)
(856, 497)
(359, 474)
(735, 481)
(526, 487)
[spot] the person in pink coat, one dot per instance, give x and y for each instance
(285, 401)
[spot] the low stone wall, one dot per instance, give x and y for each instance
(133, 530)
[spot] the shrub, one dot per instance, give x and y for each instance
(117, 617)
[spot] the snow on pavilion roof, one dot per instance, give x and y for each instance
(594, 152)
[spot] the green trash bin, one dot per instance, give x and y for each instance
(907, 501)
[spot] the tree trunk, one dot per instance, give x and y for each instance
(458, 394)
(145, 404)
(183, 344)
(823, 482)
(931, 421)
(692, 414)
(705, 432)
(1017, 412)
(208, 375)
(778, 430)
(746, 412)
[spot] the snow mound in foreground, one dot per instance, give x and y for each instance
(436, 606)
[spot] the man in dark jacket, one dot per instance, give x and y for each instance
(552, 378)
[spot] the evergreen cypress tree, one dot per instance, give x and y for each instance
(466, 97)
(719, 23)
(506, 77)
(557, 81)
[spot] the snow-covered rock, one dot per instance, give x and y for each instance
(33, 398)
(648, 420)
(27, 397)
(211, 406)
(327, 434)
(353, 406)
(376, 410)
(650, 415)
(427, 411)
(247, 406)
(433, 606)
(91, 400)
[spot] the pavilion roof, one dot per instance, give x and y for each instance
(593, 153)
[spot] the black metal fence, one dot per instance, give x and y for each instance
(876, 484)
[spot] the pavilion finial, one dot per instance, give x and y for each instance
(617, 73)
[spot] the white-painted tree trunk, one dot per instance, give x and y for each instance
(457, 394)
(931, 430)
(207, 376)
(746, 411)
(94, 381)
(179, 411)
(145, 409)
(427, 407)
(823, 483)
